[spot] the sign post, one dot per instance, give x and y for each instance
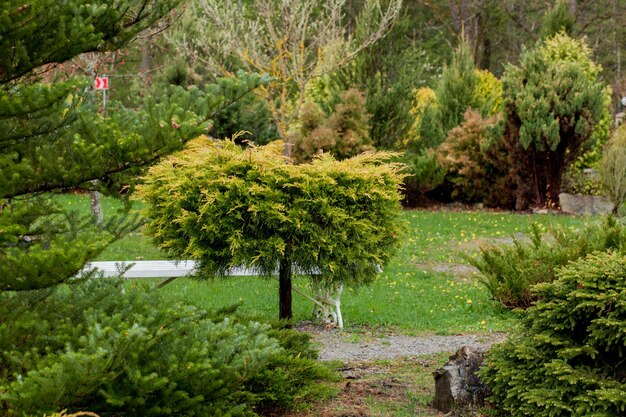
(99, 83)
(102, 83)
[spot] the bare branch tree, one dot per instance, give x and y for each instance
(294, 41)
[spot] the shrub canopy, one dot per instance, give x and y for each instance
(227, 207)
(553, 102)
(509, 272)
(569, 358)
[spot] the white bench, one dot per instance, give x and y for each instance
(326, 303)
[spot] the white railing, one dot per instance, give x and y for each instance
(326, 302)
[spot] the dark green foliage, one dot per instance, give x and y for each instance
(553, 102)
(38, 246)
(97, 346)
(424, 174)
(176, 73)
(558, 20)
(429, 129)
(93, 345)
(455, 93)
(510, 272)
(455, 90)
(81, 145)
(229, 207)
(37, 33)
(250, 114)
(568, 359)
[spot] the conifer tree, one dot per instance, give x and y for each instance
(52, 137)
(226, 207)
(455, 93)
(553, 102)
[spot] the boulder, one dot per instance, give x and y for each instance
(585, 204)
(456, 384)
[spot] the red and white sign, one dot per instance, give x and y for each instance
(101, 83)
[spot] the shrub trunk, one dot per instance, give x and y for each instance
(284, 290)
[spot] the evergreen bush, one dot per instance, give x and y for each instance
(613, 168)
(229, 207)
(249, 114)
(477, 163)
(344, 133)
(423, 111)
(128, 351)
(568, 359)
(554, 103)
(509, 272)
(70, 344)
(424, 173)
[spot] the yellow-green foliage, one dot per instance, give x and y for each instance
(486, 99)
(423, 98)
(227, 206)
(592, 150)
(320, 91)
(488, 93)
(613, 167)
(562, 48)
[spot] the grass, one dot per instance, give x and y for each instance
(408, 297)
(133, 247)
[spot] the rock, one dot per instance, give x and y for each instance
(585, 204)
(456, 384)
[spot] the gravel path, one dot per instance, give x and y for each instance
(337, 346)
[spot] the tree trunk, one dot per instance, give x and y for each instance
(284, 290)
(146, 60)
(554, 175)
(96, 207)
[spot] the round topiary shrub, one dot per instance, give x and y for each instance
(570, 357)
(226, 207)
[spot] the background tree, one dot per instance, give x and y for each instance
(293, 41)
(229, 207)
(505, 27)
(558, 19)
(553, 101)
(437, 112)
(408, 57)
(343, 133)
(613, 168)
(461, 87)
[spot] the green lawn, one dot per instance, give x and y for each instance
(405, 298)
